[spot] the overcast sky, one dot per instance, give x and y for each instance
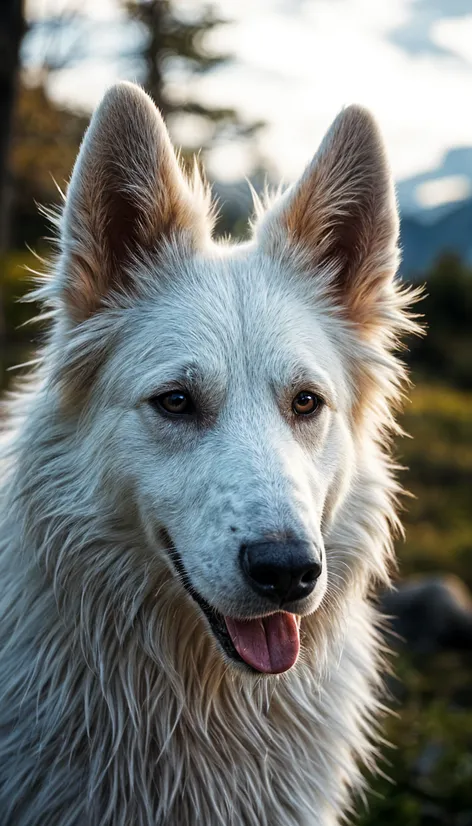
(297, 63)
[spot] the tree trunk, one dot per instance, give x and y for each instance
(11, 32)
(155, 11)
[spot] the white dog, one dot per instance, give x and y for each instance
(198, 496)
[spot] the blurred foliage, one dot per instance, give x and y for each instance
(426, 775)
(445, 354)
(172, 34)
(46, 140)
(18, 278)
(174, 50)
(428, 772)
(439, 457)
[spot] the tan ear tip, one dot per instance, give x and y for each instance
(358, 115)
(126, 96)
(127, 89)
(358, 126)
(358, 110)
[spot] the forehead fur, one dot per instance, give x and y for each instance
(237, 314)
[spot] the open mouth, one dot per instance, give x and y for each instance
(267, 645)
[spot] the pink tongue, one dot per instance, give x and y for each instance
(270, 644)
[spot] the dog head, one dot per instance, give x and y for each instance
(229, 397)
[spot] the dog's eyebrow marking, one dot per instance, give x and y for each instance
(314, 378)
(204, 383)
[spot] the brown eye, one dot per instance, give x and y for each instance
(306, 403)
(175, 403)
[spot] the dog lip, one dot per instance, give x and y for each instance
(216, 619)
(298, 617)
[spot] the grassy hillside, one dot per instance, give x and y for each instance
(428, 769)
(438, 520)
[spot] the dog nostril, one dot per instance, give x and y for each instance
(265, 575)
(310, 576)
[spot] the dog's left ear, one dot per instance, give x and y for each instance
(340, 220)
(126, 197)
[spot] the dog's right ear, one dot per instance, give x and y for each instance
(127, 195)
(340, 221)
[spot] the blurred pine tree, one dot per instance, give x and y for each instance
(172, 53)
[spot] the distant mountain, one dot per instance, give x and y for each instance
(422, 242)
(425, 233)
(455, 164)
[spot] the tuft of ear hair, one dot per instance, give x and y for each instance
(340, 220)
(127, 195)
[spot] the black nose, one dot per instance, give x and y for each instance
(281, 571)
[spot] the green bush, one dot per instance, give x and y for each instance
(426, 777)
(439, 460)
(21, 336)
(445, 353)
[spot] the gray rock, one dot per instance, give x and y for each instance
(430, 614)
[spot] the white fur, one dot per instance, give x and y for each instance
(117, 705)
